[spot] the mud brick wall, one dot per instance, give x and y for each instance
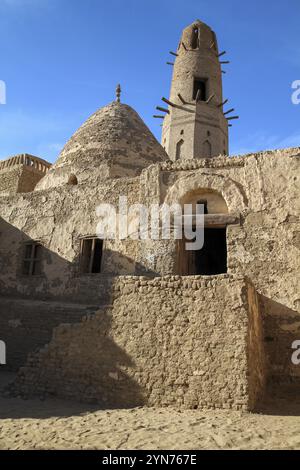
(170, 341)
(26, 326)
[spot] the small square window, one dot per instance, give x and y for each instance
(91, 255)
(32, 259)
(200, 89)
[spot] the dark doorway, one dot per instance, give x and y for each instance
(210, 260)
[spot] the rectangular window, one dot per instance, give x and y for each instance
(32, 259)
(91, 255)
(200, 89)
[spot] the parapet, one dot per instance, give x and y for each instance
(21, 173)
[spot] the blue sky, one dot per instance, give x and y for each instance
(62, 59)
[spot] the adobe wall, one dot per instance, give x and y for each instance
(21, 173)
(9, 180)
(171, 341)
(262, 189)
(28, 180)
(27, 325)
(59, 219)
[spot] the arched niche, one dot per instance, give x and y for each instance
(212, 200)
(207, 149)
(216, 187)
(224, 200)
(72, 181)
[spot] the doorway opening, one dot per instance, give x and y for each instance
(210, 260)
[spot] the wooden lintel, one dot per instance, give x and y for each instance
(213, 220)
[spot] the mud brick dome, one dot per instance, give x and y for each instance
(114, 142)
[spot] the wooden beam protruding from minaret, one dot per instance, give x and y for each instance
(181, 99)
(198, 96)
(210, 98)
(229, 111)
(168, 102)
(163, 110)
(222, 104)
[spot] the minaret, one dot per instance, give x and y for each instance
(195, 126)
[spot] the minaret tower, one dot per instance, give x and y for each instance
(195, 125)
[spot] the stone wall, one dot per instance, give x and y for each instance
(171, 341)
(27, 325)
(58, 219)
(262, 189)
(9, 180)
(21, 173)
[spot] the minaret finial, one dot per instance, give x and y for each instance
(118, 93)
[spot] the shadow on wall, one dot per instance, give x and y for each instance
(30, 310)
(82, 362)
(282, 328)
(54, 277)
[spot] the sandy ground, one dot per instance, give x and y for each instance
(57, 424)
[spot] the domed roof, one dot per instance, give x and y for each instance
(113, 142)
